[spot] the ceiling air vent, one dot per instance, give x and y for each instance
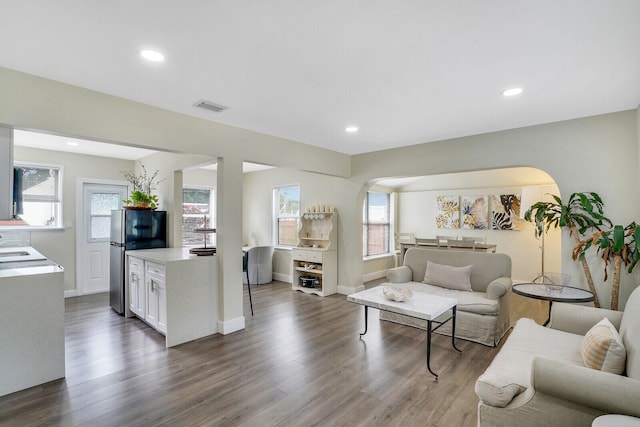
(207, 105)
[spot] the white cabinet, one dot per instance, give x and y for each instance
(137, 289)
(156, 296)
(173, 291)
(315, 266)
(315, 271)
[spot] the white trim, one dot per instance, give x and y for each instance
(375, 275)
(76, 293)
(230, 326)
(282, 277)
(379, 256)
(79, 215)
(347, 290)
(72, 293)
(60, 189)
(275, 210)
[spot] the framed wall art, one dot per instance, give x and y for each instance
(448, 212)
(475, 212)
(505, 208)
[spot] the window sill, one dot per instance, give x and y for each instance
(373, 257)
(283, 248)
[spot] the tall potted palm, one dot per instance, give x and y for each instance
(619, 246)
(582, 212)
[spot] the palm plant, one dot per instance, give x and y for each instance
(582, 212)
(618, 245)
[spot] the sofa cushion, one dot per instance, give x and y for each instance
(602, 348)
(473, 302)
(448, 276)
(512, 364)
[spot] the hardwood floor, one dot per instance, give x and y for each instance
(298, 362)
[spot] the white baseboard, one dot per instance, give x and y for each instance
(282, 277)
(375, 275)
(230, 326)
(348, 290)
(72, 293)
(76, 293)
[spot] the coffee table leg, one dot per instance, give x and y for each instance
(453, 330)
(546, 322)
(366, 319)
(429, 349)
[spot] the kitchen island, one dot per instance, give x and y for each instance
(173, 291)
(32, 320)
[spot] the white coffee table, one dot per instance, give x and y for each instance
(421, 306)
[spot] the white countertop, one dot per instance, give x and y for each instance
(29, 271)
(164, 255)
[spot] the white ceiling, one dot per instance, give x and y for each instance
(405, 71)
(93, 148)
(79, 146)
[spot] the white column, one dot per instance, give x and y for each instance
(229, 244)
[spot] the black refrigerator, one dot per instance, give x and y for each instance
(132, 229)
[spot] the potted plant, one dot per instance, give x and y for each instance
(582, 212)
(143, 186)
(618, 245)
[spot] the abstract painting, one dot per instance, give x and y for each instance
(505, 208)
(448, 212)
(475, 212)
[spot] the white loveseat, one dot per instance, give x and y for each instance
(482, 311)
(539, 377)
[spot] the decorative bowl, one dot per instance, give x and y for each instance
(395, 294)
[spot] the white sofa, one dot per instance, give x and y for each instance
(482, 311)
(539, 377)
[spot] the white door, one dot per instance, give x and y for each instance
(94, 228)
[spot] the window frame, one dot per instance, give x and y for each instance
(211, 238)
(58, 201)
(366, 223)
(89, 223)
(276, 217)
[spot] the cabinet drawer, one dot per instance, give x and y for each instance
(299, 255)
(135, 263)
(157, 269)
(314, 256)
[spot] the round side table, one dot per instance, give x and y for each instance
(540, 291)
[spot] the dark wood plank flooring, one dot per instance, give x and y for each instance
(298, 362)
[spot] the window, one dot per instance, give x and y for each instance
(376, 222)
(197, 203)
(286, 205)
(40, 188)
(100, 206)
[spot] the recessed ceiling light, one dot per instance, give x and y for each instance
(73, 144)
(152, 55)
(351, 129)
(512, 92)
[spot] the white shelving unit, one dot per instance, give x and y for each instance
(315, 261)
